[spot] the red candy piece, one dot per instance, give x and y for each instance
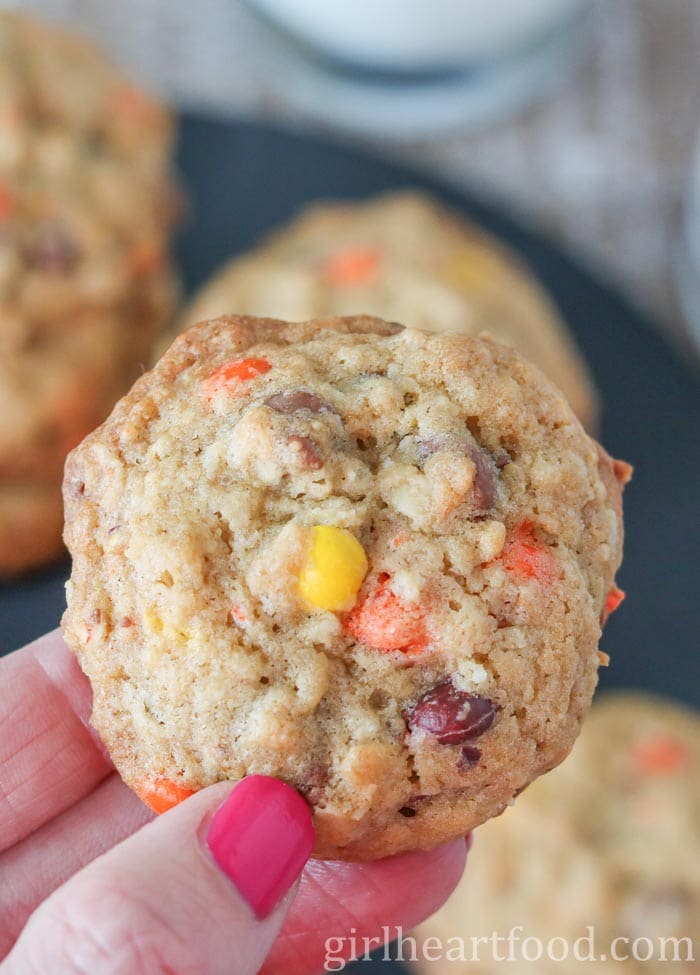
(229, 377)
(452, 717)
(354, 266)
(661, 756)
(383, 621)
(161, 794)
(524, 557)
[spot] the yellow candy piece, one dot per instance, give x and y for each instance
(472, 267)
(334, 569)
(152, 621)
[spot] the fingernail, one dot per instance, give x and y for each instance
(261, 837)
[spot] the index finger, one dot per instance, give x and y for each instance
(343, 910)
(49, 758)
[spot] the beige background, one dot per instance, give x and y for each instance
(602, 164)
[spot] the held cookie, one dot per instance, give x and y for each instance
(610, 840)
(86, 210)
(406, 258)
(370, 561)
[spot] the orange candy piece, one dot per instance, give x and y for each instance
(354, 266)
(525, 557)
(161, 794)
(129, 103)
(661, 756)
(145, 256)
(228, 377)
(6, 203)
(612, 601)
(623, 471)
(383, 621)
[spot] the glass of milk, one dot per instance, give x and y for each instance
(688, 259)
(437, 63)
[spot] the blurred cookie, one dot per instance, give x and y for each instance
(86, 207)
(610, 840)
(408, 259)
(53, 391)
(370, 561)
(31, 522)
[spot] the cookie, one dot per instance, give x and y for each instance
(370, 561)
(31, 522)
(405, 258)
(86, 208)
(53, 391)
(610, 840)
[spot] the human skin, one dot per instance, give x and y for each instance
(92, 882)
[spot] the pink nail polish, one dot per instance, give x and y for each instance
(261, 837)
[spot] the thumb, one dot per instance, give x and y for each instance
(203, 889)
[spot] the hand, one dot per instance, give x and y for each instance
(90, 884)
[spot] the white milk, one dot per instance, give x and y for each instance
(415, 35)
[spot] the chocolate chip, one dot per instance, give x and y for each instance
(484, 487)
(307, 451)
(469, 756)
(407, 811)
(441, 441)
(393, 328)
(52, 250)
(296, 400)
(501, 458)
(315, 781)
(451, 716)
(418, 798)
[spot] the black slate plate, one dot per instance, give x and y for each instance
(244, 179)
